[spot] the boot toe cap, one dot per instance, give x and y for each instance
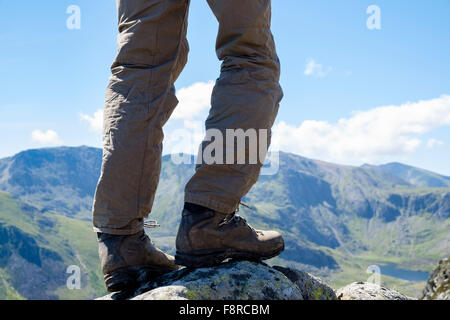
(273, 239)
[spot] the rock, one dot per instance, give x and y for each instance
(438, 286)
(312, 288)
(165, 293)
(239, 280)
(231, 281)
(244, 280)
(368, 291)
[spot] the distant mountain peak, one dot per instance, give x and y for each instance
(416, 176)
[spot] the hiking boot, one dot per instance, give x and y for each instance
(128, 260)
(207, 238)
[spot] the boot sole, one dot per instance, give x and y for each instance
(211, 258)
(130, 278)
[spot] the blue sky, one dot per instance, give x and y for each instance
(352, 95)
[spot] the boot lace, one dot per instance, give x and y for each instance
(150, 224)
(238, 220)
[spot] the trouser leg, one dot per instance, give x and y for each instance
(246, 96)
(140, 98)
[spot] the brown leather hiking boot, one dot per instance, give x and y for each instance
(130, 259)
(207, 238)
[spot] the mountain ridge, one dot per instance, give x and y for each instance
(415, 176)
(336, 219)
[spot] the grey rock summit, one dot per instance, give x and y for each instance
(244, 280)
(239, 280)
(369, 291)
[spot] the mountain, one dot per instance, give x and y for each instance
(337, 220)
(416, 176)
(37, 248)
(60, 179)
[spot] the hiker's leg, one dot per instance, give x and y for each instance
(246, 96)
(140, 98)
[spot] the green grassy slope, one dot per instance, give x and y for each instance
(57, 242)
(7, 291)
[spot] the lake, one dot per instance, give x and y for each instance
(393, 271)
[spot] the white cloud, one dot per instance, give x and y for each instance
(193, 100)
(185, 130)
(95, 121)
(48, 137)
(315, 69)
(431, 143)
(369, 136)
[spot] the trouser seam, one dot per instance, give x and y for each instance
(150, 98)
(144, 156)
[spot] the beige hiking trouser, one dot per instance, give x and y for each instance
(141, 97)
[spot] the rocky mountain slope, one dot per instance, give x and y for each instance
(438, 286)
(337, 220)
